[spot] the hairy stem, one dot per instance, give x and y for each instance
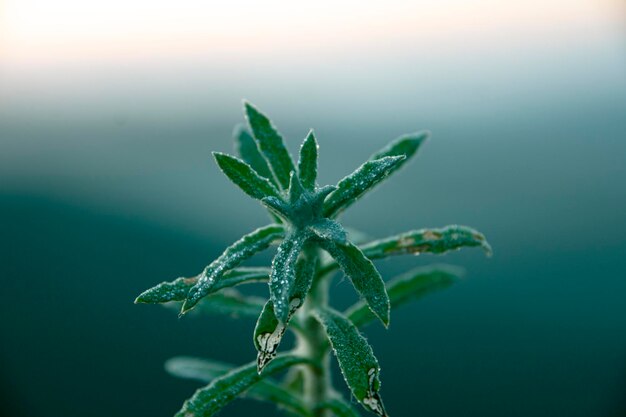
(312, 343)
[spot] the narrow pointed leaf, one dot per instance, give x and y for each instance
(268, 334)
(328, 229)
(209, 400)
(202, 370)
(305, 271)
(228, 302)
(406, 145)
(407, 287)
(283, 274)
(177, 290)
(295, 188)
(358, 183)
(356, 359)
(427, 241)
(265, 390)
(307, 164)
(239, 251)
(269, 331)
(363, 275)
(271, 144)
(339, 408)
(247, 149)
(245, 177)
(277, 208)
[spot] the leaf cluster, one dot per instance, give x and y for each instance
(303, 226)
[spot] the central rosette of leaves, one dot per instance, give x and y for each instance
(304, 215)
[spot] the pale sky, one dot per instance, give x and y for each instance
(37, 31)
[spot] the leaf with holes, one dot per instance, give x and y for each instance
(269, 331)
(435, 241)
(356, 359)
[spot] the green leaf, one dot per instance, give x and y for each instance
(245, 177)
(265, 390)
(269, 331)
(328, 229)
(277, 207)
(406, 145)
(209, 400)
(268, 334)
(177, 290)
(271, 144)
(295, 188)
(202, 370)
(356, 359)
(305, 271)
(407, 287)
(228, 302)
(239, 251)
(363, 275)
(283, 274)
(339, 407)
(307, 164)
(358, 183)
(246, 148)
(427, 241)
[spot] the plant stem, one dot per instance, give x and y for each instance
(312, 343)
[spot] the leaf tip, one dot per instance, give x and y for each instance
(386, 320)
(249, 108)
(219, 156)
(143, 298)
(185, 308)
(487, 249)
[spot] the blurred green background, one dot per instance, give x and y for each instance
(107, 187)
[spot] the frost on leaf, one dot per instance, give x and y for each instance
(239, 251)
(283, 275)
(269, 331)
(358, 183)
(178, 289)
(363, 275)
(356, 359)
(435, 241)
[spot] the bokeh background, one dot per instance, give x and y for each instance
(109, 111)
